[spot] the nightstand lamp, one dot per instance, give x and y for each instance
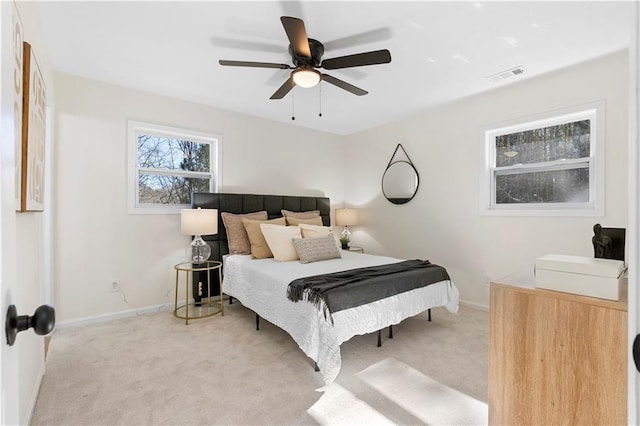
(346, 218)
(198, 222)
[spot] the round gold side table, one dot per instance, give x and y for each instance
(206, 309)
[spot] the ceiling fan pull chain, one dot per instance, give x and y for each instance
(293, 106)
(320, 98)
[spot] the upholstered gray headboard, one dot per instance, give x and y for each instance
(248, 203)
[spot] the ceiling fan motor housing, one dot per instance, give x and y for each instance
(317, 50)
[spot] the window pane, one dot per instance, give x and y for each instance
(569, 140)
(158, 189)
(172, 154)
(559, 186)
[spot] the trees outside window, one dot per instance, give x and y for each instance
(550, 165)
(167, 165)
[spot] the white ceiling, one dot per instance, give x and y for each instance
(440, 50)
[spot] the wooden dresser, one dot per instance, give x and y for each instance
(555, 358)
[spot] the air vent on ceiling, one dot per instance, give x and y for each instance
(506, 74)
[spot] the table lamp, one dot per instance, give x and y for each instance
(346, 218)
(198, 222)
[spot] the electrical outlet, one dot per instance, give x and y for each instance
(115, 287)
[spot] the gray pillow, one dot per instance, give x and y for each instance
(316, 249)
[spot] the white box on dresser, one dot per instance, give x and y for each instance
(586, 276)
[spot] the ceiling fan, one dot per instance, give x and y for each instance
(306, 55)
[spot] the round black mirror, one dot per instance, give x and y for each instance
(400, 182)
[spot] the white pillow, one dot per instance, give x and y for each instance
(315, 231)
(280, 241)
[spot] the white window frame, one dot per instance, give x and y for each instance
(595, 112)
(214, 175)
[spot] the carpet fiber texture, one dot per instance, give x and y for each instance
(154, 370)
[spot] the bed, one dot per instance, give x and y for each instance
(261, 284)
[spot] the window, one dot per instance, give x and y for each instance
(551, 165)
(167, 164)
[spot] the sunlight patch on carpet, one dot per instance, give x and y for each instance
(426, 399)
(339, 406)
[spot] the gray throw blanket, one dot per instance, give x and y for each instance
(355, 287)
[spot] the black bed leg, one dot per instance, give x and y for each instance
(257, 322)
(379, 338)
(315, 366)
(429, 312)
(230, 300)
(390, 332)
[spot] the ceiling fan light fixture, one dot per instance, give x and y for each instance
(306, 77)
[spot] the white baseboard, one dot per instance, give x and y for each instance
(475, 305)
(114, 315)
(168, 306)
(31, 406)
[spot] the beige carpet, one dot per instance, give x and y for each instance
(152, 369)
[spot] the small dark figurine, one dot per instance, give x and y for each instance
(602, 244)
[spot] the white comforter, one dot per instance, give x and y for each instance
(261, 285)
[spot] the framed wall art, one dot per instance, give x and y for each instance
(17, 39)
(33, 134)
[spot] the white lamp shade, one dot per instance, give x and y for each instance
(306, 77)
(346, 217)
(199, 221)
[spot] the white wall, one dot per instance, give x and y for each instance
(97, 241)
(443, 223)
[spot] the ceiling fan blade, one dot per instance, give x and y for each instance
(344, 85)
(379, 34)
(284, 89)
(297, 35)
(358, 60)
(253, 64)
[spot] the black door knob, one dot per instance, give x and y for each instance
(42, 322)
(636, 352)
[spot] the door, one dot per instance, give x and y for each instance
(634, 213)
(9, 24)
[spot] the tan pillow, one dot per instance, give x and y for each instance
(259, 247)
(312, 231)
(301, 215)
(294, 221)
(316, 249)
(315, 231)
(279, 239)
(236, 234)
